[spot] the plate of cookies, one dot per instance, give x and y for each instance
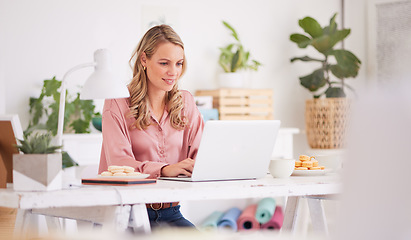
(308, 166)
(122, 172)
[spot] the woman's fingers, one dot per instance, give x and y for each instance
(184, 167)
(185, 172)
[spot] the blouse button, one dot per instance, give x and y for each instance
(161, 151)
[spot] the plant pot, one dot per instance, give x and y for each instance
(97, 122)
(232, 80)
(37, 172)
(326, 121)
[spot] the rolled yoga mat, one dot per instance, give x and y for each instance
(211, 221)
(229, 219)
(247, 220)
(265, 210)
(276, 222)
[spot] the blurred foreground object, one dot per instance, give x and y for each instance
(376, 176)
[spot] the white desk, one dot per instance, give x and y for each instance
(113, 205)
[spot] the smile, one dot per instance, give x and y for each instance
(169, 81)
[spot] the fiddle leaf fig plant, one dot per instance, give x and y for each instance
(234, 57)
(77, 115)
(336, 64)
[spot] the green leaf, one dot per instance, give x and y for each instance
(338, 36)
(314, 81)
(80, 126)
(36, 109)
(255, 65)
(67, 160)
(335, 92)
(52, 120)
(306, 59)
(227, 50)
(301, 40)
(51, 86)
(37, 143)
(311, 26)
(348, 64)
(322, 44)
(233, 32)
(87, 108)
(235, 61)
(332, 27)
(325, 43)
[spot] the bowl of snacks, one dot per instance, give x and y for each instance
(308, 166)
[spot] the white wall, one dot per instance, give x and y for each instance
(43, 38)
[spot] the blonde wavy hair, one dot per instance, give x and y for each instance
(139, 103)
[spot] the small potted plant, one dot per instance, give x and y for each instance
(326, 117)
(39, 166)
(234, 58)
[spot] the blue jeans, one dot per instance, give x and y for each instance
(168, 217)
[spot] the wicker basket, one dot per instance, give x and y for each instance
(326, 122)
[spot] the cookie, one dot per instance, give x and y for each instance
(114, 168)
(307, 164)
(106, 173)
(298, 163)
(304, 158)
(301, 168)
(133, 174)
(128, 169)
(120, 174)
(315, 163)
(315, 168)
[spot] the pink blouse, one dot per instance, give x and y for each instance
(150, 149)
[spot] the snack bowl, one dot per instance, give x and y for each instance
(281, 168)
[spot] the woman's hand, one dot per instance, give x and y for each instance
(184, 167)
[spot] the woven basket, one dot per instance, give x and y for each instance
(326, 122)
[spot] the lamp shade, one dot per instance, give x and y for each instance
(102, 83)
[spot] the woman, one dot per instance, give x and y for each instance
(158, 129)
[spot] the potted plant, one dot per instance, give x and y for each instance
(96, 120)
(44, 113)
(326, 118)
(234, 58)
(44, 110)
(39, 166)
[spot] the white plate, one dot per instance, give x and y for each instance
(309, 172)
(141, 176)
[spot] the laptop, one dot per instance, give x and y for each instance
(233, 150)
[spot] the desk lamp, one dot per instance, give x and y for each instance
(102, 84)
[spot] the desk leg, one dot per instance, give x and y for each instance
(318, 219)
(27, 224)
(117, 219)
(291, 214)
(53, 223)
(139, 218)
